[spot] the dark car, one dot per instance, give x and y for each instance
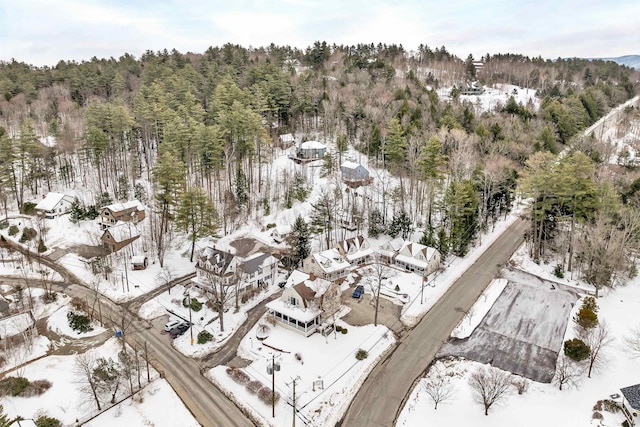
(357, 293)
(179, 330)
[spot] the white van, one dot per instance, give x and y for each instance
(171, 324)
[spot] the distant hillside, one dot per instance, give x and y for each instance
(632, 61)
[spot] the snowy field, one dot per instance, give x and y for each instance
(496, 97)
(326, 370)
(570, 407)
(156, 405)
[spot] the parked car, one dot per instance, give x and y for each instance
(171, 324)
(357, 293)
(281, 284)
(180, 329)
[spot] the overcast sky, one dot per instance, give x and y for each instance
(42, 32)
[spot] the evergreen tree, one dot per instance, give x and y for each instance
(77, 212)
(241, 188)
(400, 225)
(461, 215)
(196, 215)
(300, 241)
(376, 224)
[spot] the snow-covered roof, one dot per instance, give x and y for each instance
(415, 254)
(294, 312)
(390, 247)
(287, 137)
(413, 261)
(331, 260)
(50, 201)
(355, 248)
(123, 231)
(350, 165)
(296, 277)
(312, 145)
(118, 207)
(138, 259)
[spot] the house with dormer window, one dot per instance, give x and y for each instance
(306, 303)
(215, 267)
(417, 258)
(328, 265)
(356, 250)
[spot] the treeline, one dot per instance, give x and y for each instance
(198, 130)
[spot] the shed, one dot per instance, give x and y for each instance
(139, 262)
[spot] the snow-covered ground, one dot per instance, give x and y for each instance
(496, 96)
(156, 405)
(572, 407)
(204, 320)
(325, 368)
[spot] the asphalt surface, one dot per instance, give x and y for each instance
(207, 403)
(383, 393)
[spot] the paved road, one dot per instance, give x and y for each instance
(382, 395)
(206, 402)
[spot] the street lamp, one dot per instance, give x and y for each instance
(271, 369)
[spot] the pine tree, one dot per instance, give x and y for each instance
(400, 225)
(300, 240)
(376, 224)
(196, 215)
(77, 212)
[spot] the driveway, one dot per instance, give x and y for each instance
(363, 311)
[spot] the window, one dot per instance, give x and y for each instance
(293, 300)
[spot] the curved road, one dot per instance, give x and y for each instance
(383, 393)
(206, 402)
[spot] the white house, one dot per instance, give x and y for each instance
(305, 304)
(389, 249)
(259, 269)
(356, 250)
(329, 265)
(280, 232)
(216, 267)
(418, 258)
(54, 205)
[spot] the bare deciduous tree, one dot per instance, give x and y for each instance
(378, 274)
(567, 372)
(631, 342)
(489, 385)
(438, 386)
(598, 339)
(84, 366)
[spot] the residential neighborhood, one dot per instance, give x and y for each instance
(345, 234)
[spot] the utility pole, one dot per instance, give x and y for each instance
(294, 401)
(190, 322)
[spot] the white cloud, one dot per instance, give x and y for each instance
(43, 32)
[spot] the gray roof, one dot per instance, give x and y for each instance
(632, 394)
(251, 265)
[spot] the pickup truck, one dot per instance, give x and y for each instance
(358, 291)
